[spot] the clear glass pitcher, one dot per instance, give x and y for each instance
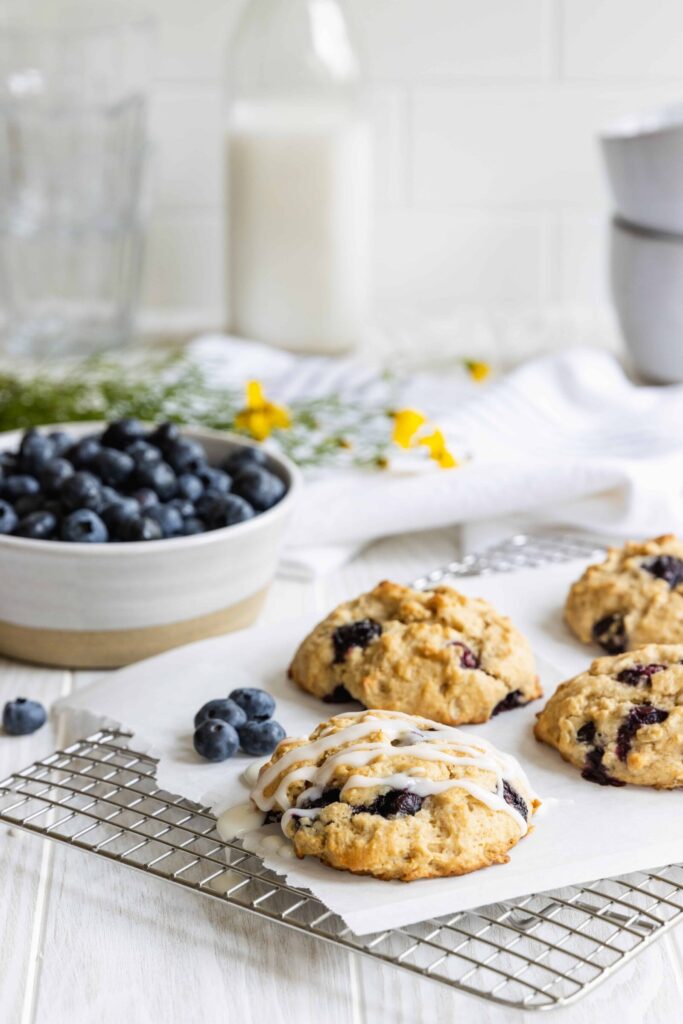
(299, 178)
(73, 150)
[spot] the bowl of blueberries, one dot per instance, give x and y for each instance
(121, 540)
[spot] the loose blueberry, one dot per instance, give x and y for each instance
(228, 511)
(259, 487)
(54, 474)
(164, 435)
(19, 486)
(83, 452)
(146, 498)
(213, 479)
(61, 442)
(117, 513)
(189, 486)
(8, 463)
(260, 738)
(185, 455)
(638, 716)
(216, 740)
(639, 675)
(21, 717)
(665, 567)
(121, 433)
(224, 709)
(139, 528)
(209, 504)
(84, 527)
(355, 634)
(8, 517)
(159, 477)
(37, 526)
(258, 705)
(169, 519)
(35, 451)
(244, 458)
(610, 633)
(113, 467)
(143, 453)
(193, 526)
(512, 797)
(80, 491)
(184, 506)
(512, 700)
(28, 504)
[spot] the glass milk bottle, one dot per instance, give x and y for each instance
(299, 178)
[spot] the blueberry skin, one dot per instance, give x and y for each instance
(224, 709)
(164, 435)
(54, 473)
(37, 526)
(19, 486)
(258, 705)
(185, 455)
(84, 451)
(159, 477)
(8, 517)
(190, 486)
(208, 503)
(260, 738)
(61, 442)
(261, 488)
(21, 717)
(184, 506)
(192, 526)
(120, 433)
(112, 466)
(117, 513)
(244, 458)
(228, 511)
(84, 527)
(169, 519)
(143, 453)
(82, 490)
(215, 740)
(35, 451)
(214, 479)
(146, 498)
(8, 463)
(28, 504)
(139, 528)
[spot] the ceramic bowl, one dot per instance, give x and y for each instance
(646, 271)
(106, 605)
(644, 159)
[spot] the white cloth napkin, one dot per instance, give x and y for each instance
(568, 437)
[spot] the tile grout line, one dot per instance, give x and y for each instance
(35, 956)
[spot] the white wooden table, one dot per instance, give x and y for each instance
(83, 940)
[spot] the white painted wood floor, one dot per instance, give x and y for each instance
(84, 940)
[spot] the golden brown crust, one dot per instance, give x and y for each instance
(418, 663)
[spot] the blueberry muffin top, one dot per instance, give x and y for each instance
(396, 796)
(634, 597)
(436, 653)
(622, 720)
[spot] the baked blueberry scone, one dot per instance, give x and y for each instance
(622, 720)
(634, 597)
(399, 797)
(436, 653)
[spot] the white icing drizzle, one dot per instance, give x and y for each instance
(237, 820)
(431, 742)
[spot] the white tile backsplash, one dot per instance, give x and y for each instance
(489, 186)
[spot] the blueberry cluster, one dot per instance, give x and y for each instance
(244, 719)
(128, 483)
(21, 717)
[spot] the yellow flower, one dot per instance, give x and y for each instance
(407, 422)
(477, 370)
(436, 443)
(261, 416)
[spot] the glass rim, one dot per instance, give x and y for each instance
(80, 21)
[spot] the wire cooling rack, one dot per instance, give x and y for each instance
(535, 953)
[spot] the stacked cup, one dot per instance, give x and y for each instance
(644, 159)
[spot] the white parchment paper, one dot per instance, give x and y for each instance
(583, 831)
